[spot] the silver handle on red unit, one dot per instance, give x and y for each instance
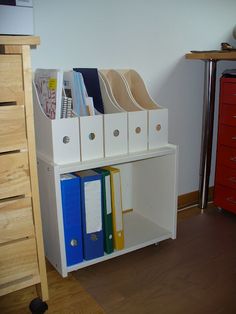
(231, 200)
(232, 179)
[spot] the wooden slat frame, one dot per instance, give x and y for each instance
(15, 85)
(27, 78)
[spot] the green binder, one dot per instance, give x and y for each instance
(106, 210)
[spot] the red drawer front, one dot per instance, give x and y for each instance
(228, 93)
(228, 87)
(228, 115)
(226, 176)
(226, 156)
(225, 198)
(227, 135)
(229, 99)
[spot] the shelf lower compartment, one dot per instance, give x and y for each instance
(148, 184)
(134, 238)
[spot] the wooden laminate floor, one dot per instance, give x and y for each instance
(66, 296)
(194, 274)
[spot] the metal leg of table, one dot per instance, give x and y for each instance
(207, 131)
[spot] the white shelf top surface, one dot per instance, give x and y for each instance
(108, 161)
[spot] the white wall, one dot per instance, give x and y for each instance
(152, 37)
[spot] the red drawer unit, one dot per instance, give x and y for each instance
(228, 90)
(227, 156)
(225, 178)
(225, 198)
(228, 115)
(227, 135)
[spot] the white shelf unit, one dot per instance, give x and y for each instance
(149, 188)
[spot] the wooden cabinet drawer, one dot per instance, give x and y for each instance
(16, 220)
(225, 198)
(226, 176)
(11, 72)
(227, 135)
(12, 128)
(10, 96)
(226, 156)
(14, 175)
(18, 263)
(228, 115)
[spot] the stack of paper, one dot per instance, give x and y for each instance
(49, 83)
(63, 94)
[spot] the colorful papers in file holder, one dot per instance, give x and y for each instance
(132, 122)
(58, 139)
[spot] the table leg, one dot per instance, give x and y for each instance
(207, 131)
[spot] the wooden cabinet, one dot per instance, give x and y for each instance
(225, 177)
(22, 261)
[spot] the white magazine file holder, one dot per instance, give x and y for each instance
(57, 140)
(158, 127)
(115, 134)
(115, 123)
(157, 115)
(116, 98)
(91, 137)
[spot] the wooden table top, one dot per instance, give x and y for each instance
(212, 55)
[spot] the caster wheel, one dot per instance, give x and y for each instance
(37, 306)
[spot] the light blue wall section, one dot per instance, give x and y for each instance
(152, 37)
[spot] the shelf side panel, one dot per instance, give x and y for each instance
(50, 199)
